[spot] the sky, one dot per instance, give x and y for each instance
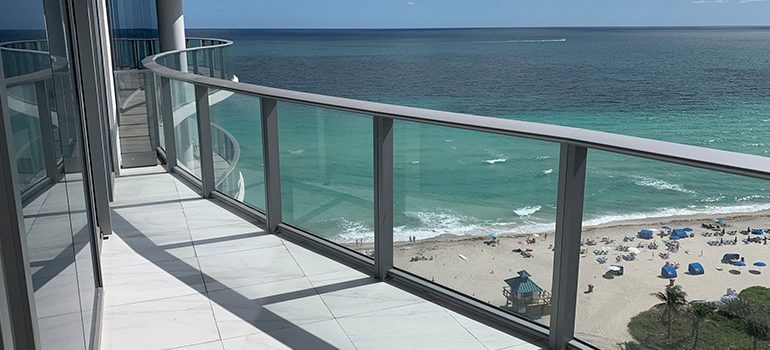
(471, 13)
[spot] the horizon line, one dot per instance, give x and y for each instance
(490, 27)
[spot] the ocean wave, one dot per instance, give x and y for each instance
(495, 161)
(748, 198)
(560, 40)
(527, 211)
(431, 224)
(647, 181)
(297, 151)
(415, 162)
(542, 157)
(546, 172)
(712, 199)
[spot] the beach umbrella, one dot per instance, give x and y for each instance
(493, 235)
(634, 250)
(760, 264)
(739, 263)
(688, 229)
(665, 227)
(613, 268)
(721, 222)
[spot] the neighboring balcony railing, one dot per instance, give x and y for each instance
(29, 72)
(289, 198)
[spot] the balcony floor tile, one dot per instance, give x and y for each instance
(182, 272)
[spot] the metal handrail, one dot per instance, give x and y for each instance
(574, 144)
(701, 157)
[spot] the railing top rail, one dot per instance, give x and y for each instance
(9, 43)
(707, 158)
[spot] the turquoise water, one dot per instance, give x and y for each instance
(707, 86)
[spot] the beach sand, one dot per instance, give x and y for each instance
(602, 316)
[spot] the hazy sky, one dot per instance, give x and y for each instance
(470, 13)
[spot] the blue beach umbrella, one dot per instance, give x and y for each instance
(688, 229)
(757, 231)
(739, 263)
(665, 227)
(721, 222)
(493, 235)
(760, 264)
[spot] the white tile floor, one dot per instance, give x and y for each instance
(181, 272)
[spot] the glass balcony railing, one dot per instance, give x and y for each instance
(35, 127)
(367, 183)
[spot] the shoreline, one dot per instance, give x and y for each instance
(469, 265)
(651, 222)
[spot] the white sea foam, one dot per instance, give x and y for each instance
(748, 198)
(431, 224)
(415, 162)
(527, 211)
(712, 199)
(648, 181)
(495, 161)
(543, 157)
(546, 172)
(296, 151)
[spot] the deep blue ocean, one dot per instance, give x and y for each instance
(702, 86)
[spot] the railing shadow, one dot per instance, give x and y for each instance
(145, 247)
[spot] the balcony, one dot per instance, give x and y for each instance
(185, 272)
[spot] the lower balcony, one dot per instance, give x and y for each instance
(182, 272)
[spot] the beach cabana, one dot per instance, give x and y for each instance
(729, 257)
(679, 233)
(668, 271)
(695, 269)
(646, 233)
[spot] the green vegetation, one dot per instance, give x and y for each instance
(673, 324)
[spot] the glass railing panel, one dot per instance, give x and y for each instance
(474, 210)
(27, 138)
(326, 160)
(236, 137)
(186, 126)
(649, 225)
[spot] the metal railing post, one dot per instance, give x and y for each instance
(569, 221)
(195, 61)
(151, 105)
(222, 73)
(211, 62)
(272, 169)
(167, 113)
(383, 196)
(46, 132)
(204, 139)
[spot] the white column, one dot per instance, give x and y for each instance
(171, 25)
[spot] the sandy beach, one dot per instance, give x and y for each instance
(602, 315)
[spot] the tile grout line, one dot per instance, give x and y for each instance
(466, 328)
(334, 317)
(200, 270)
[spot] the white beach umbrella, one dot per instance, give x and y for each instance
(634, 250)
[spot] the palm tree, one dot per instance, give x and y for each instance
(699, 313)
(672, 299)
(757, 328)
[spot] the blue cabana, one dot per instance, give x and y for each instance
(679, 233)
(668, 271)
(695, 269)
(757, 231)
(646, 233)
(730, 257)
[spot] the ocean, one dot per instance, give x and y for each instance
(708, 87)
